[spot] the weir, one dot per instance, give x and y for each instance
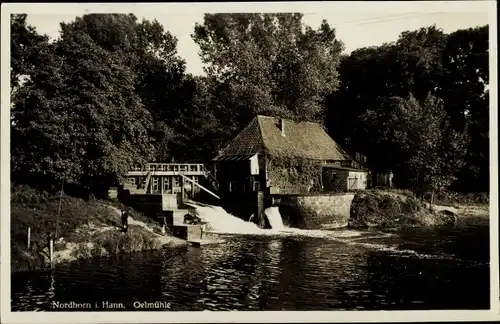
(274, 217)
(219, 221)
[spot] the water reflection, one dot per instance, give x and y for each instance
(281, 273)
(38, 291)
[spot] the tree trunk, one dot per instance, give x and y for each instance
(432, 200)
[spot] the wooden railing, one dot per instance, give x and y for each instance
(175, 167)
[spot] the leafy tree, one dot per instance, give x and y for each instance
(29, 51)
(32, 59)
(419, 60)
(453, 67)
(465, 81)
(366, 76)
(197, 126)
(80, 120)
(26, 49)
(427, 152)
(268, 64)
(412, 64)
(158, 72)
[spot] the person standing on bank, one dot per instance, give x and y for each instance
(125, 220)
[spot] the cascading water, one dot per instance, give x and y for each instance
(220, 221)
(274, 217)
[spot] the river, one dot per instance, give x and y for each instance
(414, 269)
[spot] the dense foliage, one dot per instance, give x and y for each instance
(294, 175)
(427, 152)
(269, 64)
(112, 92)
(383, 210)
(435, 85)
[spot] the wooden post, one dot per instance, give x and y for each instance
(29, 236)
(182, 189)
(51, 250)
(259, 207)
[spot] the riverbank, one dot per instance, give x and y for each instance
(381, 208)
(86, 229)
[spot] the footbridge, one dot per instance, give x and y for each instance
(170, 178)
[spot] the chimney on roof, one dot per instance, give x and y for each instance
(281, 126)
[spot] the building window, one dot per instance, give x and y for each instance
(166, 184)
(176, 187)
(132, 181)
(156, 187)
(256, 185)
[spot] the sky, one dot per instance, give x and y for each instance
(358, 24)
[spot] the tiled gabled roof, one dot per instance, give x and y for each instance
(302, 139)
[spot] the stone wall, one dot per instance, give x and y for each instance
(325, 211)
(188, 232)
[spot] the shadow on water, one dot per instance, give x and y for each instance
(445, 267)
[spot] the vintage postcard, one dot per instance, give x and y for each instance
(249, 162)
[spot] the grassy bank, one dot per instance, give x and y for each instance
(85, 229)
(392, 208)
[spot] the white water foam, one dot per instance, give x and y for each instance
(221, 222)
(274, 217)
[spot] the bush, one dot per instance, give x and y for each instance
(379, 209)
(412, 205)
(26, 260)
(135, 240)
(84, 250)
(27, 195)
